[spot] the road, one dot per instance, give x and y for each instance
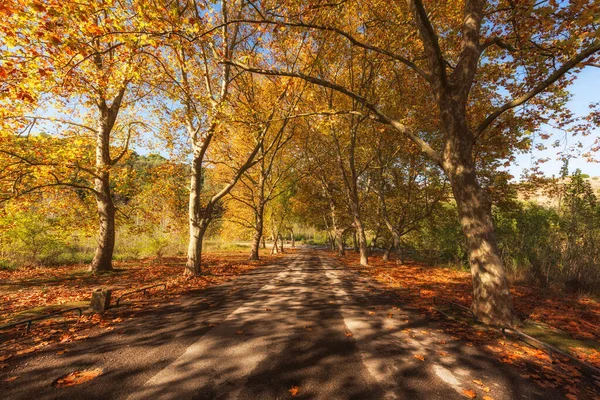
(306, 322)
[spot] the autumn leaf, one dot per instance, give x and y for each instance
(11, 379)
(4, 358)
(478, 382)
(3, 365)
(239, 332)
(348, 334)
(420, 357)
(78, 377)
(488, 398)
(27, 350)
(469, 393)
(294, 390)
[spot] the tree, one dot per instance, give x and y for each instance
(69, 61)
(471, 51)
(272, 177)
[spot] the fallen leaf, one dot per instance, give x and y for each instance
(371, 312)
(77, 377)
(443, 354)
(239, 332)
(27, 351)
(420, 357)
(478, 382)
(348, 334)
(61, 352)
(486, 389)
(469, 393)
(12, 378)
(65, 338)
(488, 398)
(212, 325)
(294, 390)
(3, 365)
(571, 396)
(308, 328)
(4, 358)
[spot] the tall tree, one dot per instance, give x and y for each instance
(480, 61)
(73, 63)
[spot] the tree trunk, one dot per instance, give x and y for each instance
(386, 253)
(373, 243)
(258, 232)
(492, 302)
(362, 242)
(197, 226)
(274, 249)
(293, 239)
(340, 242)
(264, 242)
(106, 237)
(102, 260)
(280, 236)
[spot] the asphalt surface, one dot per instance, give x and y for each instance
(306, 323)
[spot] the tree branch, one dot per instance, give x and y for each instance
(382, 117)
(540, 87)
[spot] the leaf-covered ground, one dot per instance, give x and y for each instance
(563, 315)
(27, 293)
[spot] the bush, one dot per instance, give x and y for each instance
(538, 244)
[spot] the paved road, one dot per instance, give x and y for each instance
(306, 322)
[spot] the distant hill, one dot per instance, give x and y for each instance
(546, 197)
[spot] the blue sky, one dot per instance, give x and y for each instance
(585, 90)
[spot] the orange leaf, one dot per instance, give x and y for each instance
(239, 332)
(78, 377)
(488, 398)
(294, 390)
(27, 351)
(12, 378)
(478, 382)
(4, 358)
(420, 357)
(348, 334)
(469, 393)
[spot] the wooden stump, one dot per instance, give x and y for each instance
(100, 299)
